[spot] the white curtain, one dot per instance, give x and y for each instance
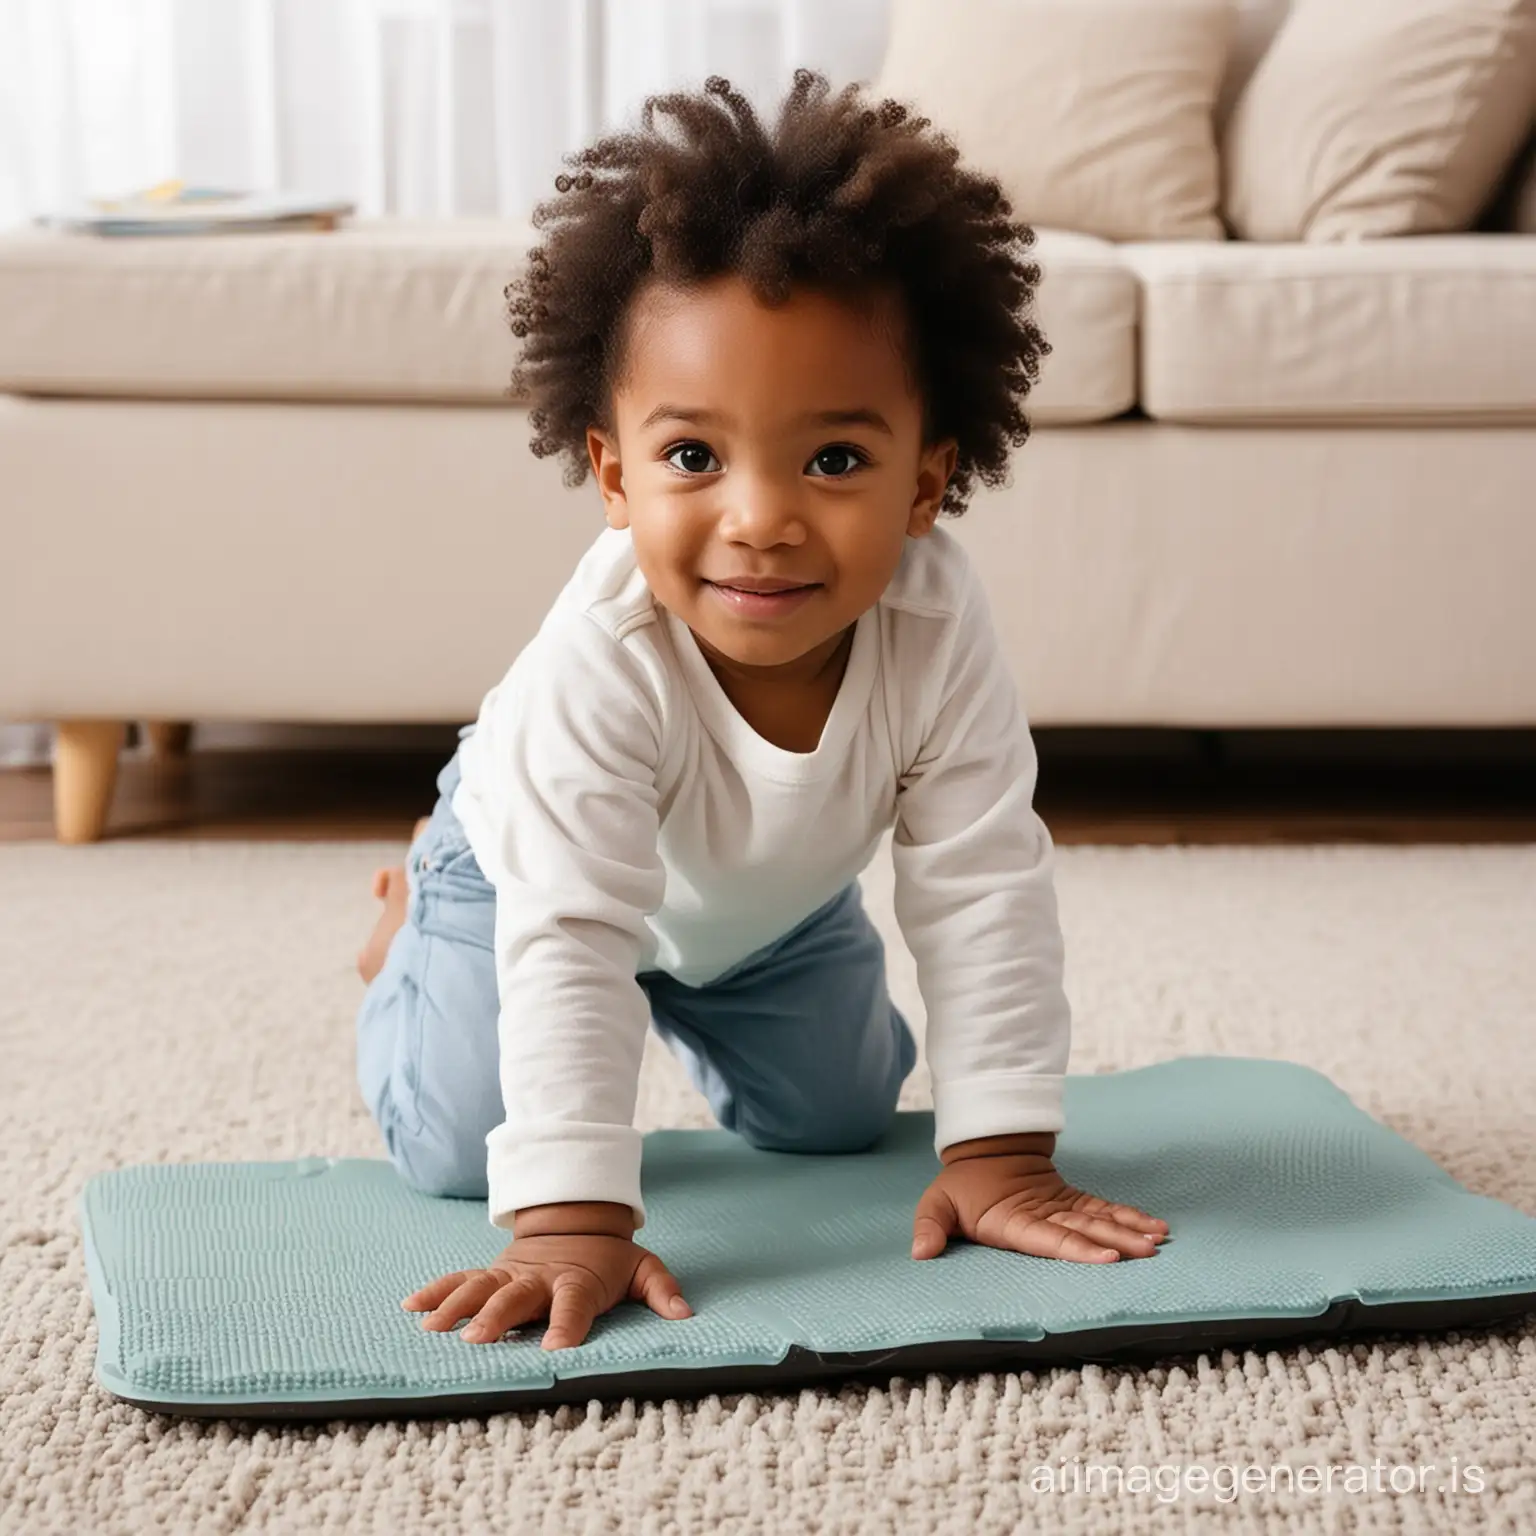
(418, 108)
(424, 108)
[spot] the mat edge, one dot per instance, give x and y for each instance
(103, 1302)
(800, 1367)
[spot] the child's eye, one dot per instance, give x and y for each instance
(691, 458)
(835, 461)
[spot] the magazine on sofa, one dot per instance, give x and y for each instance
(174, 208)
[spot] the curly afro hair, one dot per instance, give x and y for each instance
(842, 195)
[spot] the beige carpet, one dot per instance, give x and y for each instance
(188, 1001)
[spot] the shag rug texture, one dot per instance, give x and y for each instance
(192, 1001)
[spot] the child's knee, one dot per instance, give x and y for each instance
(844, 1111)
(827, 1129)
(441, 1162)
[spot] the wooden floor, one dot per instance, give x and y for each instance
(1095, 787)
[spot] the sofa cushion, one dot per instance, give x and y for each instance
(396, 310)
(1095, 115)
(1419, 327)
(1087, 306)
(377, 310)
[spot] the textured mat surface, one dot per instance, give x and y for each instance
(229, 1285)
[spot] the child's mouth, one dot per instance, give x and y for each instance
(763, 604)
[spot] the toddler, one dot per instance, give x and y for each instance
(783, 354)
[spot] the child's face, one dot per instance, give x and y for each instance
(738, 453)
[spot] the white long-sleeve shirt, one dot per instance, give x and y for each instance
(630, 819)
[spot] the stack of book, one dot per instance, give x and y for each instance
(173, 208)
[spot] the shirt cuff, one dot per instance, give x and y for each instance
(997, 1104)
(542, 1164)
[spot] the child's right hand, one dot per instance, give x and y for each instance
(570, 1277)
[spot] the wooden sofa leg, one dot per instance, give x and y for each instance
(84, 775)
(168, 738)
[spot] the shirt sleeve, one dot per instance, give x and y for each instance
(559, 802)
(975, 897)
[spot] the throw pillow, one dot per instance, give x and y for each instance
(1095, 115)
(1380, 117)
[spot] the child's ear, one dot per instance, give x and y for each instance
(934, 468)
(603, 451)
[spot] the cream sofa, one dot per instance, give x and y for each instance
(277, 477)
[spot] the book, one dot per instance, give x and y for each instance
(174, 208)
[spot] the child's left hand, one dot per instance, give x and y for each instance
(1005, 1192)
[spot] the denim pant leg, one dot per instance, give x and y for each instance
(798, 1048)
(428, 1054)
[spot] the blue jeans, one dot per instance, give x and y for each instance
(797, 1048)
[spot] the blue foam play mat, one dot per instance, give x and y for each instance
(272, 1290)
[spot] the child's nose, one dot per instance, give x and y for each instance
(762, 511)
